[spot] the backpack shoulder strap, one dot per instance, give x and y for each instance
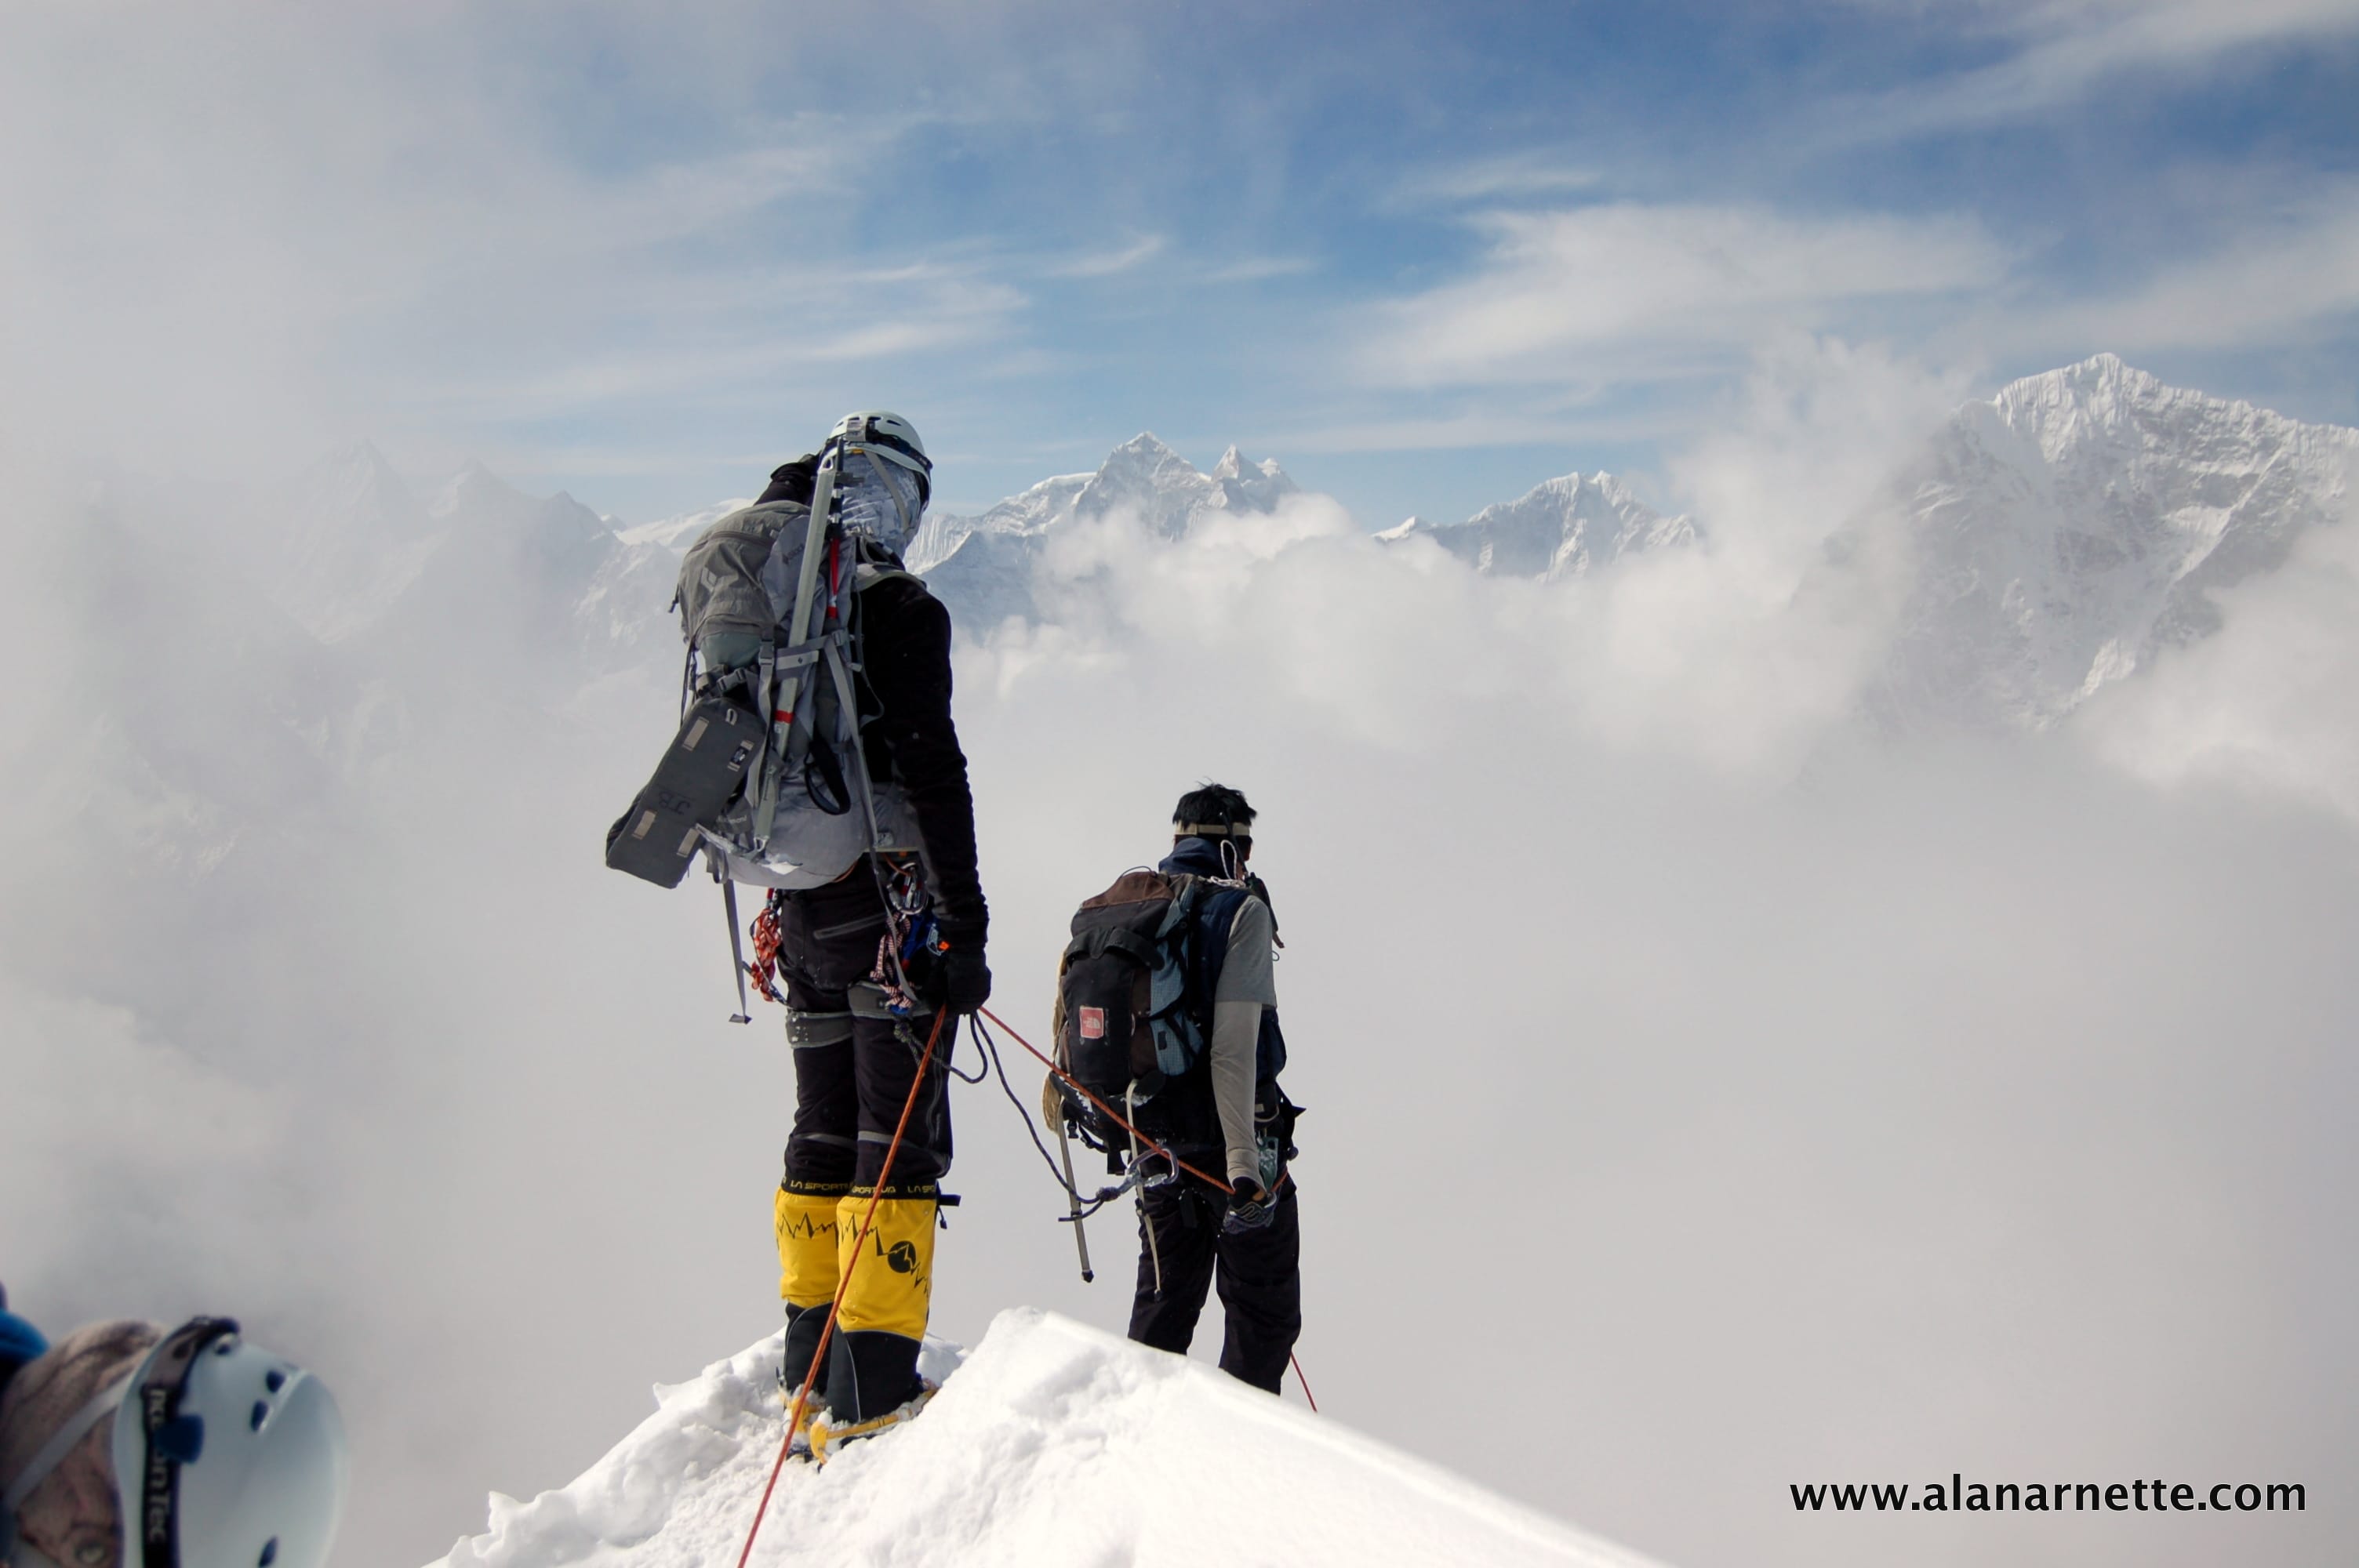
(873, 564)
(1214, 914)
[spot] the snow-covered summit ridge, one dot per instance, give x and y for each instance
(1050, 1442)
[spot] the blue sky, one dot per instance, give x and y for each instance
(1425, 260)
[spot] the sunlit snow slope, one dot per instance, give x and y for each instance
(1052, 1444)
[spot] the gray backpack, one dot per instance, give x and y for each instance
(766, 775)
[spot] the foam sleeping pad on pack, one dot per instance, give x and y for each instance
(701, 773)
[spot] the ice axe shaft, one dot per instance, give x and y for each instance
(1074, 1196)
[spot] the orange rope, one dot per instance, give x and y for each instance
(1127, 1127)
(1143, 1138)
(827, 1331)
(1298, 1377)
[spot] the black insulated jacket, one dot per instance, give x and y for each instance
(905, 704)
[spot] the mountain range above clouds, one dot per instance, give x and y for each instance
(2057, 537)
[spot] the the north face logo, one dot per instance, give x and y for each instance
(1093, 1024)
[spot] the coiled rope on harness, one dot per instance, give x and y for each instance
(1137, 1138)
(827, 1331)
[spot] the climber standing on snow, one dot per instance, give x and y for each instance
(849, 1023)
(816, 758)
(1166, 1011)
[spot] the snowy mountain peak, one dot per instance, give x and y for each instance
(1167, 493)
(2076, 525)
(983, 565)
(477, 489)
(1561, 527)
(358, 488)
(1233, 466)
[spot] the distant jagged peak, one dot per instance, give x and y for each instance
(1565, 494)
(357, 484)
(476, 498)
(1144, 476)
(362, 457)
(474, 487)
(1561, 499)
(1561, 527)
(1233, 465)
(1144, 452)
(1148, 453)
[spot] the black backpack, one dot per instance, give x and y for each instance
(1133, 993)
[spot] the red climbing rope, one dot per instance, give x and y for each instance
(802, 1395)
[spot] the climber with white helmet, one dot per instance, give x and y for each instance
(128, 1445)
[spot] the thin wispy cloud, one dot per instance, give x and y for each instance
(1259, 269)
(2294, 276)
(1626, 279)
(1505, 177)
(2064, 50)
(1474, 429)
(1107, 263)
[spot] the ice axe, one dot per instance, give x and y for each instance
(1074, 1196)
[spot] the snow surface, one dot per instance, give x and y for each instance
(1052, 1442)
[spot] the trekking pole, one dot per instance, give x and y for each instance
(827, 1330)
(1074, 1196)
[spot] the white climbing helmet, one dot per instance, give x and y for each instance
(225, 1456)
(887, 436)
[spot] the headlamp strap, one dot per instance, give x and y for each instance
(169, 1442)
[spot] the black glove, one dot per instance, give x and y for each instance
(1250, 1208)
(960, 981)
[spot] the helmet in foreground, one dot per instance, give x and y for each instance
(224, 1456)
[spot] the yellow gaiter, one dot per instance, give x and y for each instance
(893, 1286)
(806, 1243)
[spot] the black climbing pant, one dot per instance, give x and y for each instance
(1259, 1273)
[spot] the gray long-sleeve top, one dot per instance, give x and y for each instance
(1248, 983)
